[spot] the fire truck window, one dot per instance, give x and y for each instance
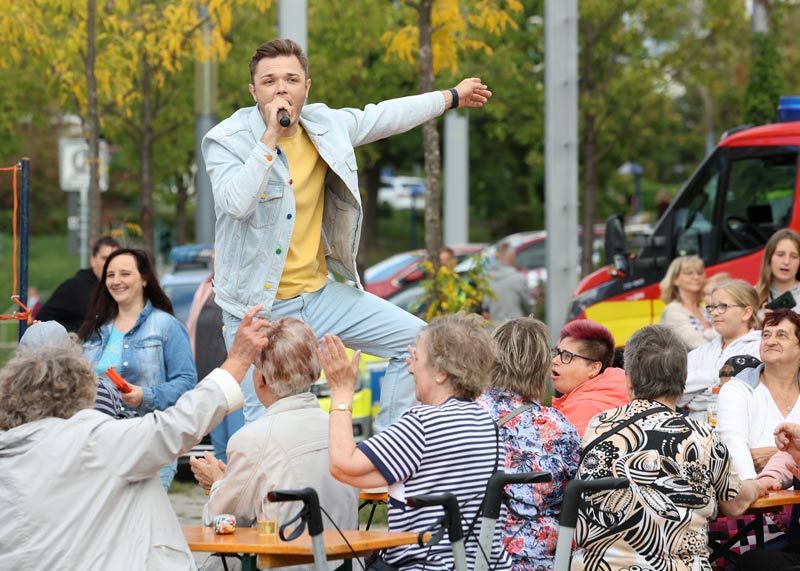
(694, 214)
(758, 201)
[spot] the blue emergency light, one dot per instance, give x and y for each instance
(789, 108)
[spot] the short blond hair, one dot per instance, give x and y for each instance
(460, 346)
(521, 357)
(289, 364)
(55, 380)
(669, 291)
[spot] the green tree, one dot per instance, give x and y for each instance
(112, 57)
(433, 37)
(764, 86)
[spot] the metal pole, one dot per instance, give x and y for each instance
(561, 157)
(485, 539)
(84, 228)
(24, 229)
(292, 21)
(456, 178)
(205, 101)
(413, 220)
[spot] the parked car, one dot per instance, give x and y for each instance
(397, 271)
(180, 287)
(402, 192)
(188, 256)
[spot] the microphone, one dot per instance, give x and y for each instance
(283, 118)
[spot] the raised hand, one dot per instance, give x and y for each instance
(472, 93)
(341, 372)
(787, 438)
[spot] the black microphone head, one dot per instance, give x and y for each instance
(284, 119)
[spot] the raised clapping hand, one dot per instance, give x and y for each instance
(251, 338)
(207, 469)
(472, 93)
(340, 371)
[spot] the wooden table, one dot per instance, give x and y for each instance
(372, 499)
(772, 503)
(272, 552)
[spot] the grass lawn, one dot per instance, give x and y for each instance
(48, 265)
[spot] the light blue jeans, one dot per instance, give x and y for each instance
(362, 321)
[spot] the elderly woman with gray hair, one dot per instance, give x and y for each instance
(448, 444)
(287, 446)
(680, 472)
(78, 489)
(537, 438)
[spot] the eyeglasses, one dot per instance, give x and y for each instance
(567, 356)
(722, 307)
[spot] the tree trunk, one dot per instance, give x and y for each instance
(180, 208)
(369, 179)
(589, 202)
(371, 182)
(430, 137)
(93, 124)
(146, 158)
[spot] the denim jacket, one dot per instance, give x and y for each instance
(155, 356)
(254, 199)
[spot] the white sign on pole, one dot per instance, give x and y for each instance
(73, 171)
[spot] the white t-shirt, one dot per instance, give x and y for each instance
(452, 447)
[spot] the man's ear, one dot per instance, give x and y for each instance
(252, 89)
(258, 378)
(308, 86)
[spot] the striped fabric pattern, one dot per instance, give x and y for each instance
(108, 399)
(452, 447)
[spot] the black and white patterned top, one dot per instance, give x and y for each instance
(678, 469)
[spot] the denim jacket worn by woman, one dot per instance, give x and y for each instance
(254, 198)
(156, 356)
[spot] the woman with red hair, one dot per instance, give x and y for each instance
(581, 370)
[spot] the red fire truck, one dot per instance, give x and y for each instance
(743, 192)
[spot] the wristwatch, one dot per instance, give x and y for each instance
(343, 407)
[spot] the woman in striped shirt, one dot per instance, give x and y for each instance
(447, 444)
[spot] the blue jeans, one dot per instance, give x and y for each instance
(362, 321)
(232, 422)
(167, 473)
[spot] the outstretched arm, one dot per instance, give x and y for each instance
(136, 448)
(394, 116)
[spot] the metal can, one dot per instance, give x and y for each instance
(224, 524)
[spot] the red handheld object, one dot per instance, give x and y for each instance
(118, 381)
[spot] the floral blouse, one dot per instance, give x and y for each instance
(678, 469)
(540, 439)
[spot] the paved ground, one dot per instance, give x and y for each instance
(188, 500)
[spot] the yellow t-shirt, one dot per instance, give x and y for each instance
(305, 269)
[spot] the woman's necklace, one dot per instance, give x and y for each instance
(784, 402)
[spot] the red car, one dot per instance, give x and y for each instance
(392, 274)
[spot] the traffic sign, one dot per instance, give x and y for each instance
(73, 171)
